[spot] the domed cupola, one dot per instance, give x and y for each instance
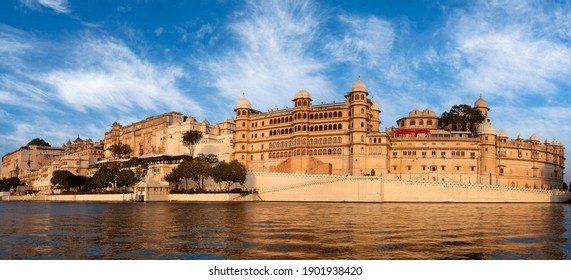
(302, 98)
(375, 105)
(485, 128)
(481, 103)
(243, 103)
(359, 85)
(502, 134)
(302, 94)
(482, 106)
(534, 138)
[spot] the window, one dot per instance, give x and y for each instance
(412, 122)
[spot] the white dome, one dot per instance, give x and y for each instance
(502, 134)
(485, 128)
(302, 94)
(243, 103)
(359, 85)
(375, 105)
(534, 138)
(481, 103)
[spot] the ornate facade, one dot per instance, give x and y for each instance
(345, 139)
(325, 138)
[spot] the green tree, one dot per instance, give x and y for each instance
(229, 173)
(173, 177)
(7, 184)
(204, 164)
(191, 138)
(126, 177)
(120, 150)
(66, 179)
(104, 176)
(461, 117)
(39, 142)
(141, 168)
(62, 178)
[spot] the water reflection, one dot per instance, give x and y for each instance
(284, 231)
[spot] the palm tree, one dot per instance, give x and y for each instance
(191, 138)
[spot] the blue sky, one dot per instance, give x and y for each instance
(70, 67)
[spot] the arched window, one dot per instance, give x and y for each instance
(330, 127)
(243, 147)
(304, 128)
(305, 115)
(362, 97)
(321, 115)
(243, 135)
(238, 112)
(320, 128)
(325, 127)
(243, 157)
(311, 128)
(334, 114)
(362, 138)
(311, 116)
(304, 102)
(340, 114)
(330, 115)
(329, 151)
(271, 121)
(362, 124)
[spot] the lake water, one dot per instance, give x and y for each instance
(43, 230)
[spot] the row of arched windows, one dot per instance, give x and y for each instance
(243, 112)
(281, 120)
(321, 127)
(316, 141)
(358, 97)
(299, 103)
(313, 152)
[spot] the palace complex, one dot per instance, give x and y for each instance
(341, 138)
(344, 139)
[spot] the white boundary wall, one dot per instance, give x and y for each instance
(308, 187)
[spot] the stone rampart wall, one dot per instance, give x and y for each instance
(305, 187)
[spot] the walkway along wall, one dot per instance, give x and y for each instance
(326, 188)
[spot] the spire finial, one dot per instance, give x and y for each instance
(244, 94)
(480, 96)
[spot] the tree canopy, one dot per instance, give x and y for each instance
(229, 173)
(104, 176)
(66, 179)
(461, 117)
(7, 183)
(120, 150)
(191, 138)
(38, 142)
(126, 177)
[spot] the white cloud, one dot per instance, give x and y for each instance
(12, 41)
(106, 75)
(504, 52)
(159, 31)
(59, 6)
(271, 60)
(365, 40)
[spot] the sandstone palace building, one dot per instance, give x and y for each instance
(345, 139)
(340, 138)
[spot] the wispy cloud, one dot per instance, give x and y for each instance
(501, 49)
(104, 74)
(365, 40)
(59, 6)
(272, 59)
